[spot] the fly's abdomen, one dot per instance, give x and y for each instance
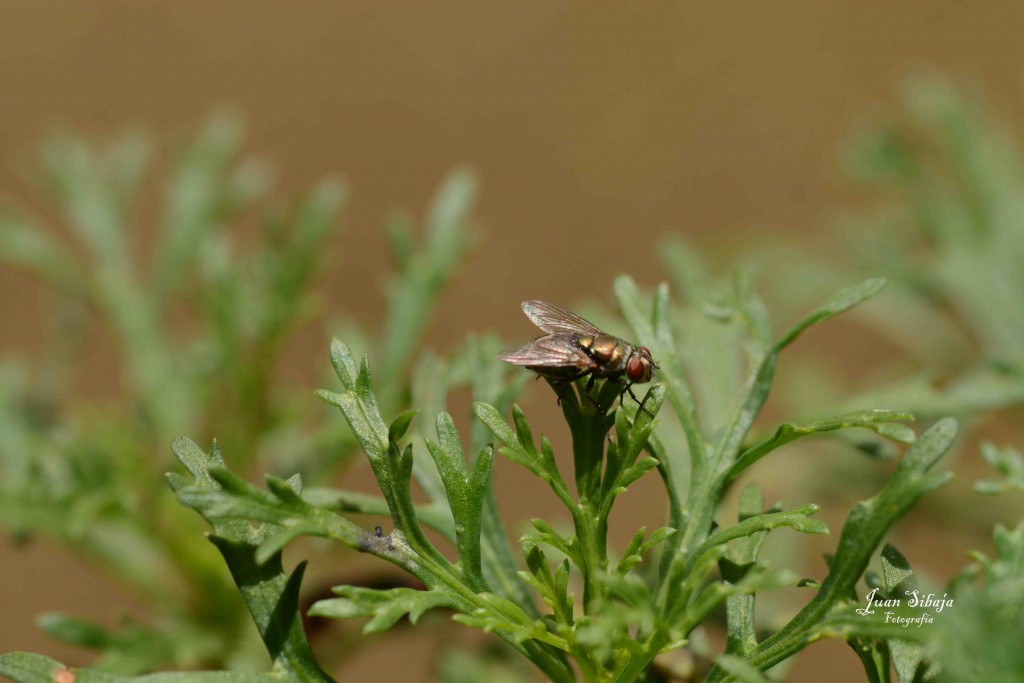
(608, 352)
(558, 372)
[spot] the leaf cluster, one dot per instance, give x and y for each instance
(943, 178)
(199, 320)
(578, 608)
(573, 605)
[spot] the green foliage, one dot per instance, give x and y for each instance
(958, 181)
(944, 180)
(1009, 463)
(199, 321)
(31, 668)
(981, 639)
(271, 595)
(606, 619)
(572, 605)
(881, 421)
(625, 617)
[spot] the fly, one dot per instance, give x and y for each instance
(573, 348)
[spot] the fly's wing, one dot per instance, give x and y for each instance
(552, 351)
(556, 320)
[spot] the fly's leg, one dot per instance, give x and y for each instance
(586, 391)
(562, 385)
(590, 397)
(629, 388)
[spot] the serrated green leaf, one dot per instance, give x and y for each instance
(895, 568)
(400, 425)
(344, 364)
(493, 420)
(194, 459)
(863, 531)
(270, 594)
(504, 615)
(480, 477)
(638, 547)
(385, 607)
(549, 536)
(1009, 463)
(798, 520)
(880, 421)
(524, 434)
(288, 491)
(275, 543)
(631, 474)
(841, 302)
(657, 537)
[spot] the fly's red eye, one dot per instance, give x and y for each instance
(635, 369)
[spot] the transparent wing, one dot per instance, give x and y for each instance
(551, 351)
(556, 320)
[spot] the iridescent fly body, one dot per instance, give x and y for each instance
(575, 348)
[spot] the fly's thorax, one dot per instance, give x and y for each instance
(610, 353)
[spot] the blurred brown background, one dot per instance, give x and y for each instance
(595, 130)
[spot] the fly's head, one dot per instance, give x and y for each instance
(640, 366)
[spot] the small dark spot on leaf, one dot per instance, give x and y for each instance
(376, 541)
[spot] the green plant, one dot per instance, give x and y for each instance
(199, 323)
(943, 182)
(606, 616)
(938, 176)
(980, 641)
(575, 605)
